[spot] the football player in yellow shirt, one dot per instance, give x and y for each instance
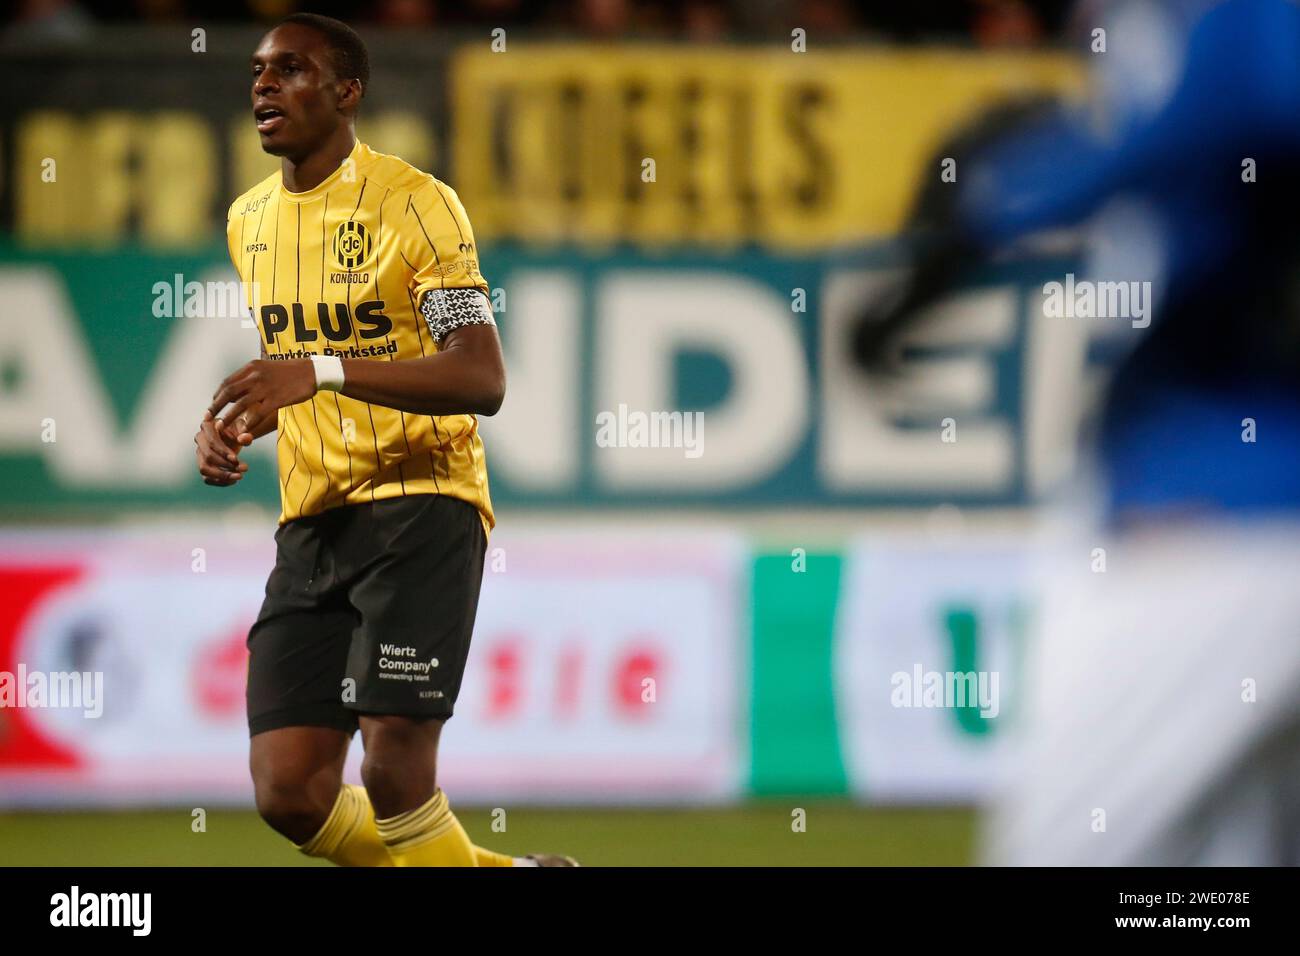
(379, 350)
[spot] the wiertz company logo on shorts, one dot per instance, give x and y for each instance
(400, 663)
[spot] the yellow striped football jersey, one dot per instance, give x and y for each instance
(377, 262)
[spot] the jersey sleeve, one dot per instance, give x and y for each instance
(232, 232)
(247, 295)
(438, 244)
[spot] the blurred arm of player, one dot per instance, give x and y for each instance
(1026, 172)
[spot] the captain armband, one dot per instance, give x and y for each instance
(448, 309)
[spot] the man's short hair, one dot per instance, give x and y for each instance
(347, 49)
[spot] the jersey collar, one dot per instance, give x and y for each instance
(359, 150)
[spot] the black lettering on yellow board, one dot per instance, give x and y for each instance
(749, 145)
(164, 178)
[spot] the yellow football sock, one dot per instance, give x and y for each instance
(349, 836)
(488, 858)
(429, 835)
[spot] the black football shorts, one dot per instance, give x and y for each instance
(369, 610)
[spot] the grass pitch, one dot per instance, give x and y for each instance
(757, 834)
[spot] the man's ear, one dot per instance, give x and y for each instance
(350, 96)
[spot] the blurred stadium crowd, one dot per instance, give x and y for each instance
(986, 23)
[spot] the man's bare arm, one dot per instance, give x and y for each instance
(466, 376)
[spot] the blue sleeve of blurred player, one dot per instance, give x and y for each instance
(1239, 90)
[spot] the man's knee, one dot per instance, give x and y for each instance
(297, 773)
(288, 805)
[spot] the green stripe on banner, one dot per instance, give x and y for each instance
(794, 739)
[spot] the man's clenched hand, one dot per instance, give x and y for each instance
(260, 389)
(217, 450)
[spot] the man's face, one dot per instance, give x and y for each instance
(296, 95)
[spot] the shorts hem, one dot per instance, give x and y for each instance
(330, 716)
(380, 710)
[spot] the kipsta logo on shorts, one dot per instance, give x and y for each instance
(351, 244)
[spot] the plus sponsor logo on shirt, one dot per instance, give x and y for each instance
(336, 322)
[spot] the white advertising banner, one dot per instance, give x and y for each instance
(928, 645)
(604, 667)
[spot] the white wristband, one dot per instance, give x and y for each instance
(329, 372)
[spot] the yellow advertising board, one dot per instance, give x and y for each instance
(717, 146)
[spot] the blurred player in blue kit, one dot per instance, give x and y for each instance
(1161, 719)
